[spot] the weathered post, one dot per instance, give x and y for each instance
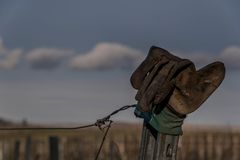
(1, 149)
(16, 150)
(54, 149)
(114, 153)
(147, 143)
(166, 147)
(28, 148)
(157, 146)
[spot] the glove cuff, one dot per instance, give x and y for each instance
(145, 115)
(167, 122)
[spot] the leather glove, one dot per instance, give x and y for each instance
(169, 88)
(154, 77)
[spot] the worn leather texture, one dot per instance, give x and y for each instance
(165, 79)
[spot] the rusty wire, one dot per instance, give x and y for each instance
(102, 123)
(103, 139)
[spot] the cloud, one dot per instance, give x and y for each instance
(198, 58)
(106, 56)
(9, 58)
(231, 56)
(112, 55)
(47, 58)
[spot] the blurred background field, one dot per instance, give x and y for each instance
(70, 62)
(197, 143)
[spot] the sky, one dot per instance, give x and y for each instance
(71, 61)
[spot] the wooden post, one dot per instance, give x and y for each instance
(53, 146)
(157, 146)
(28, 148)
(114, 153)
(147, 143)
(16, 150)
(1, 149)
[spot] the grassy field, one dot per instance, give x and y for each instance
(197, 143)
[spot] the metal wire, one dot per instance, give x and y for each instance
(100, 123)
(45, 128)
(103, 140)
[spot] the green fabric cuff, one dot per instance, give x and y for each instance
(167, 122)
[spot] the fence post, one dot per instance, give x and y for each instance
(28, 148)
(1, 149)
(114, 153)
(157, 146)
(54, 149)
(147, 143)
(16, 150)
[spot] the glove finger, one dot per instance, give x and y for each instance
(163, 92)
(159, 80)
(149, 78)
(193, 88)
(155, 55)
(168, 87)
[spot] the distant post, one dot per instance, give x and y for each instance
(28, 148)
(16, 150)
(54, 148)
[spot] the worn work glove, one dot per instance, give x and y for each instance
(154, 77)
(170, 88)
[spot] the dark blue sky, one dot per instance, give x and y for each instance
(180, 25)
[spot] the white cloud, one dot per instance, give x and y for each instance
(107, 56)
(47, 58)
(112, 55)
(231, 56)
(9, 58)
(198, 58)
